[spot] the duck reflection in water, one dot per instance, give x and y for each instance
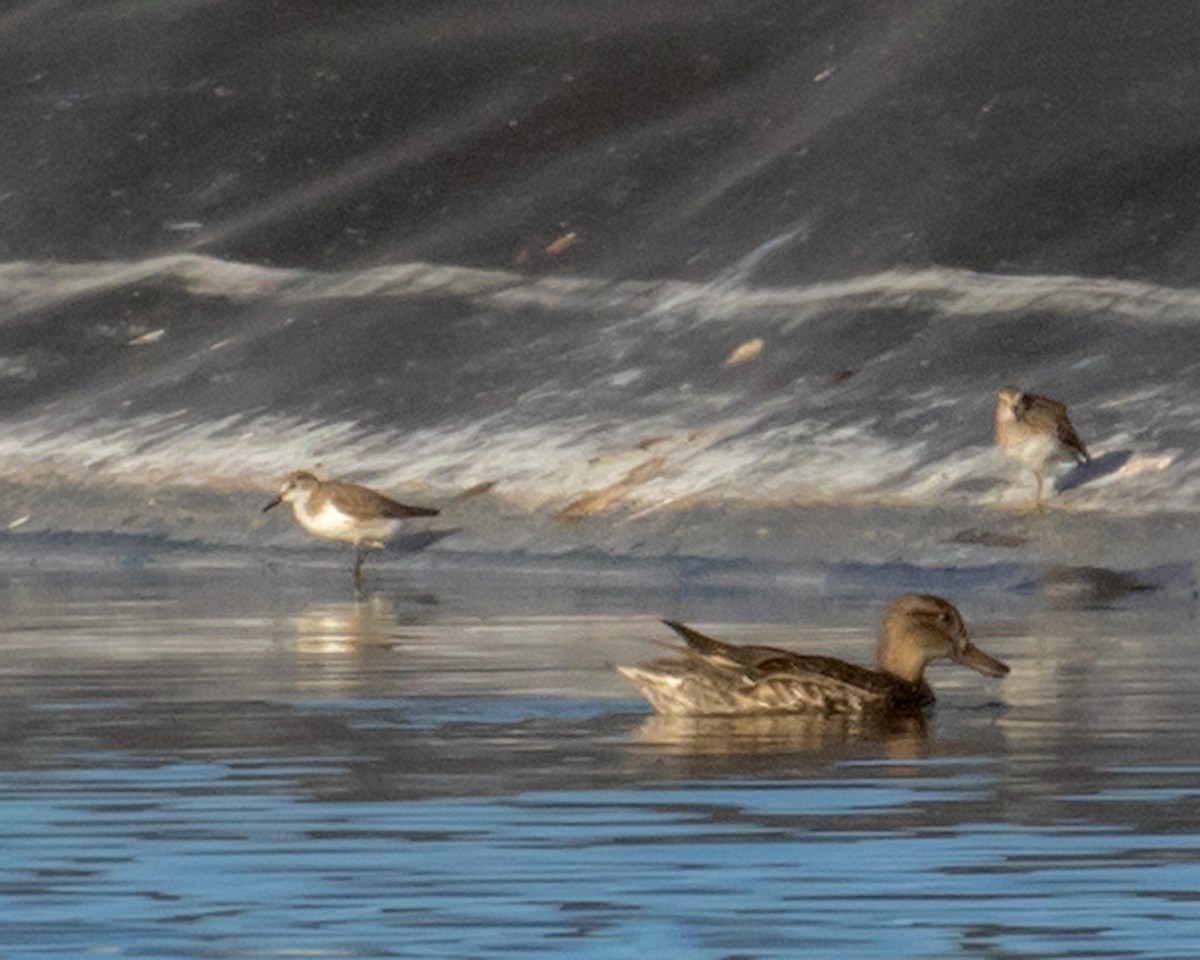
(901, 737)
(713, 678)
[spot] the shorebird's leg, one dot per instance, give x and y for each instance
(359, 557)
(1038, 499)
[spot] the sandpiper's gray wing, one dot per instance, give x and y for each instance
(363, 503)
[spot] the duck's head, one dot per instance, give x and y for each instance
(297, 485)
(918, 628)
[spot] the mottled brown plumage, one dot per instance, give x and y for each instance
(1037, 432)
(717, 678)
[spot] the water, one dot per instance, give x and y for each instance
(220, 764)
(689, 310)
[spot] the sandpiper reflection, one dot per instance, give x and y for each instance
(343, 627)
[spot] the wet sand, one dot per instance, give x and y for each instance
(228, 762)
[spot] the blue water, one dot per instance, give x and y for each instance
(215, 860)
(216, 765)
(689, 310)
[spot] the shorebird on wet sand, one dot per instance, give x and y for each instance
(713, 678)
(1036, 432)
(345, 512)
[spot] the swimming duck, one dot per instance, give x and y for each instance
(1037, 432)
(714, 678)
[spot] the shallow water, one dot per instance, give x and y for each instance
(607, 284)
(241, 764)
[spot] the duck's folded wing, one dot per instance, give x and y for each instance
(695, 684)
(840, 686)
(719, 654)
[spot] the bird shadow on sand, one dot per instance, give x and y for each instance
(1094, 469)
(414, 541)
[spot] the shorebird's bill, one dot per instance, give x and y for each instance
(275, 501)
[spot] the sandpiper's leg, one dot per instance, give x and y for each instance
(1038, 499)
(359, 558)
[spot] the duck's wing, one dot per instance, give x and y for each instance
(840, 679)
(363, 503)
(789, 679)
(1049, 415)
(717, 653)
(754, 661)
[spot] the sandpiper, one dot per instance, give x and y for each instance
(345, 512)
(1036, 432)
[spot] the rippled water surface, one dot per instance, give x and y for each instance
(238, 764)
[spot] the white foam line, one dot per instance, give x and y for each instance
(540, 467)
(27, 286)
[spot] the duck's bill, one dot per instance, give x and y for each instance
(971, 656)
(275, 501)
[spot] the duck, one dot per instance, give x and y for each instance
(1037, 432)
(715, 678)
